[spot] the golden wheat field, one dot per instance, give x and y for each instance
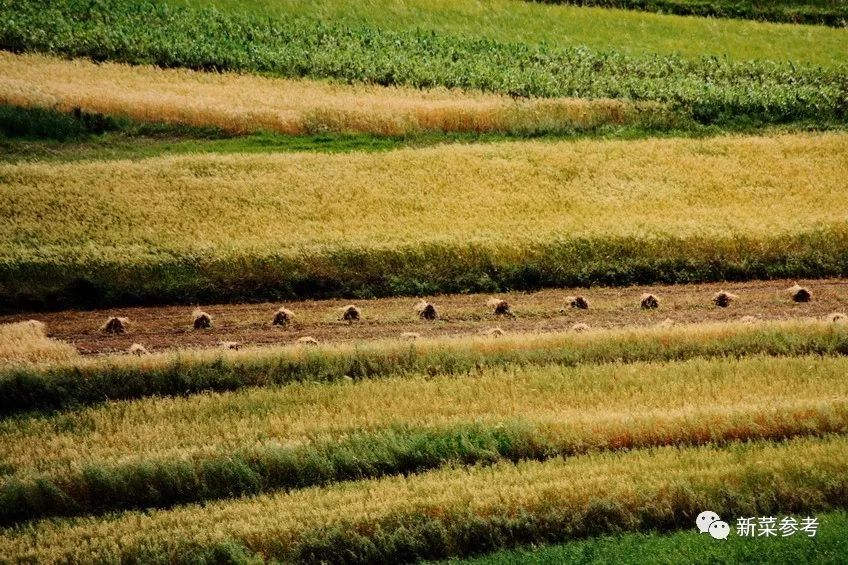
(241, 103)
(509, 194)
(27, 343)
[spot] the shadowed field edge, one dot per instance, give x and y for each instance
(167, 278)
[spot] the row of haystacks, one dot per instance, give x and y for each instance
(427, 310)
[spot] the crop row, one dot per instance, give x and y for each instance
(486, 218)
(620, 399)
(821, 12)
(94, 381)
(709, 90)
(238, 103)
(159, 453)
(462, 511)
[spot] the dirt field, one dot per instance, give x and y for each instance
(166, 327)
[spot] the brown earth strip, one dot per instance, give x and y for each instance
(160, 328)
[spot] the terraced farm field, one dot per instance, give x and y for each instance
(423, 281)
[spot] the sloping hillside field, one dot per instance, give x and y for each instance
(423, 281)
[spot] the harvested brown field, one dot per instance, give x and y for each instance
(243, 103)
(164, 327)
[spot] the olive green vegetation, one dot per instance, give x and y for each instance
(600, 29)
(60, 386)
(463, 511)
(822, 12)
(708, 90)
(829, 546)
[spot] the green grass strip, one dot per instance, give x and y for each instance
(814, 12)
(829, 546)
(708, 90)
(89, 382)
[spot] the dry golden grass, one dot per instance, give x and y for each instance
(26, 343)
(657, 482)
(604, 406)
(218, 206)
(244, 103)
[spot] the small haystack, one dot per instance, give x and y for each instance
(411, 336)
(723, 299)
(350, 314)
(282, 317)
(648, 301)
(667, 323)
(115, 325)
(580, 327)
(500, 307)
(493, 332)
(426, 311)
(202, 320)
(230, 345)
(749, 319)
(837, 318)
(307, 340)
(578, 302)
(800, 294)
(137, 349)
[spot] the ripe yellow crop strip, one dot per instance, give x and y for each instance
(92, 381)
(523, 215)
(25, 343)
(240, 103)
(656, 488)
(131, 212)
(605, 407)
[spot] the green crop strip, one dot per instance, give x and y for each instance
(708, 90)
(828, 546)
(171, 278)
(817, 12)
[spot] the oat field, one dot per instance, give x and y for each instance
(423, 281)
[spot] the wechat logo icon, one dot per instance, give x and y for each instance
(709, 522)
